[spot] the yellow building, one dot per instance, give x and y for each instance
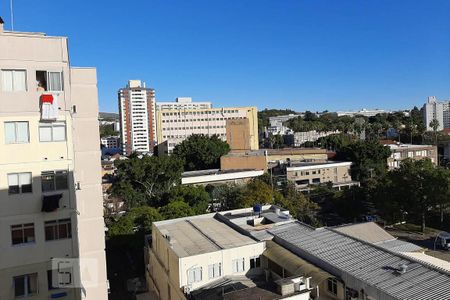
(175, 125)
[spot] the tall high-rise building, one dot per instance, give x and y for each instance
(137, 118)
(51, 212)
(440, 111)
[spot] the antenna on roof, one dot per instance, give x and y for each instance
(12, 14)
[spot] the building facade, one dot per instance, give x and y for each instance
(440, 111)
(110, 142)
(306, 174)
(401, 152)
(183, 103)
(137, 112)
(50, 183)
(297, 139)
(174, 126)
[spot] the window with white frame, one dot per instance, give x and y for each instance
(194, 275)
(255, 262)
(19, 183)
(14, 80)
(238, 265)
(25, 285)
(52, 132)
(214, 270)
(22, 233)
(16, 133)
(49, 81)
(58, 229)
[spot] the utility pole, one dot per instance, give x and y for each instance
(12, 14)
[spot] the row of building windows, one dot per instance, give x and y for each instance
(16, 81)
(215, 270)
(201, 120)
(54, 230)
(194, 127)
(19, 132)
(21, 183)
(185, 136)
(208, 112)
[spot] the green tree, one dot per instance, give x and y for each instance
(107, 130)
(146, 180)
(369, 158)
(176, 209)
(200, 152)
(196, 196)
(417, 187)
(138, 219)
(434, 124)
(299, 206)
(227, 196)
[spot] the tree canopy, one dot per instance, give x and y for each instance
(200, 152)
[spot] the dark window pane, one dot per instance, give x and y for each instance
(13, 189)
(27, 188)
(48, 183)
(17, 236)
(61, 180)
(62, 231)
(19, 286)
(29, 235)
(50, 233)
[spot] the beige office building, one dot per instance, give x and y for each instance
(305, 175)
(50, 189)
(175, 125)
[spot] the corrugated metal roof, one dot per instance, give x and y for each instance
(369, 232)
(365, 266)
(294, 264)
(400, 246)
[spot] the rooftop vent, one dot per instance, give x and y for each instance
(402, 268)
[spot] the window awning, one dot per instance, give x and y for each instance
(51, 202)
(294, 264)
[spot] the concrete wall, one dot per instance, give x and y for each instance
(231, 162)
(238, 134)
(334, 174)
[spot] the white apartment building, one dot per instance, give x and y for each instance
(183, 103)
(137, 112)
(297, 139)
(50, 189)
(440, 111)
(197, 251)
(174, 126)
(110, 142)
(363, 112)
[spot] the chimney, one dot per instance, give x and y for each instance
(1, 25)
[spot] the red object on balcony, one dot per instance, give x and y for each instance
(47, 99)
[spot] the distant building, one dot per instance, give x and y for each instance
(239, 135)
(264, 158)
(440, 111)
(174, 126)
(276, 123)
(363, 112)
(401, 152)
(216, 176)
(304, 175)
(137, 118)
(297, 139)
(110, 142)
(183, 103)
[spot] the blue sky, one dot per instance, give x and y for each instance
(299, 54)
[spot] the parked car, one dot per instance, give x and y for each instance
(443, 240)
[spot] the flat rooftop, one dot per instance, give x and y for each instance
(199, 235)
(284, 151)
(317, 165)
(214, 172)
(408, 146)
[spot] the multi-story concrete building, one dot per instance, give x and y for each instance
(363, 112)
(440, 111)
(297, 139)
(401, 152)
(277, 123)
(110, 142)
(306, 174)
(50, 184)
(183, 103)
(137, 112)
(202, 257)
(174, 126)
